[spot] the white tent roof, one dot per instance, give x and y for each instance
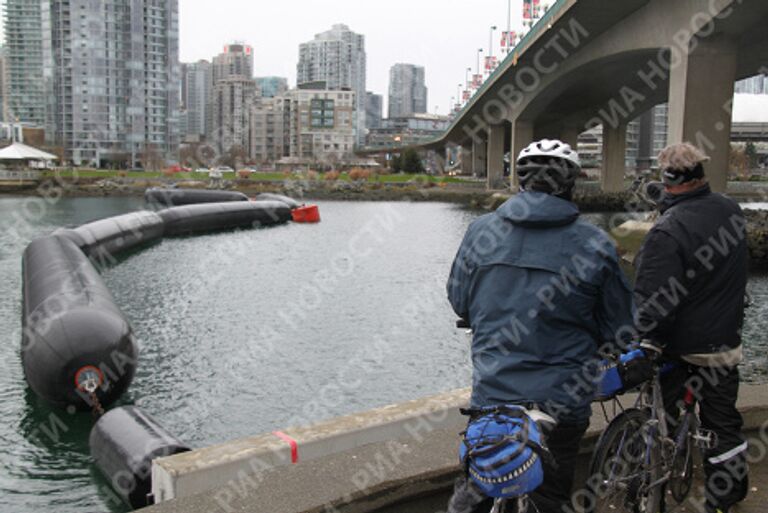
(19, 151)
(750, 108)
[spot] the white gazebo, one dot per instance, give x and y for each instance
(21, 152)
(20, 158)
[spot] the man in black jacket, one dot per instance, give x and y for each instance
(690, 289)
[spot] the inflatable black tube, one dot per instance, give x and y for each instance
(123, 444)
(223, 216)
(268, 196)
(104, 239)
(72, 329)
(180, 197)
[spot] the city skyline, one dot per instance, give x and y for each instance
(441, 36)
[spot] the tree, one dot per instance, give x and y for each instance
(411, 162)
(750, 152)
(234, 157)
(396, 163)
(188, 155)
(151, 160)
(738, 162)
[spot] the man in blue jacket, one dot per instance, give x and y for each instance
(542, 291)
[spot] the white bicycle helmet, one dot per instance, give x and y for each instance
(548, 165)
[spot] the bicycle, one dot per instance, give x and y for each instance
(637, 458)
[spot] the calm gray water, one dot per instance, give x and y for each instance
(247, 332)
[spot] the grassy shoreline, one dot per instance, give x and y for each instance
(399, 187)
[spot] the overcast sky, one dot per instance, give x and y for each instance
(441, 35)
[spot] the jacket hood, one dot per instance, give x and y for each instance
(538, 210)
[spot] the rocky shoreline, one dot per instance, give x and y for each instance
(757, 236)
(470, 194)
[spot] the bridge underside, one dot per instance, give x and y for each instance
(607, 65)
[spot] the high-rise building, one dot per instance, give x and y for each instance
(321, 124)
(111, 79)
(272, 86)
(407, 91)
(236, 60)
(374, 110)
(196, 94)
(232, 100)
(268, 130)
(24, 42)
(4, 116)
(753, 85)
(337, 57)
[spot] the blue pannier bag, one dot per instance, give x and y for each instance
(503, 450)
(622, 374)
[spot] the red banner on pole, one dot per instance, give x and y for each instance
(527, 9)
(508, 39)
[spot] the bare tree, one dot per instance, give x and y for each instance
(151, 159)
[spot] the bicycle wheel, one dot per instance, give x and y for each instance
(517, 505)
(623, 467)
(681, 478)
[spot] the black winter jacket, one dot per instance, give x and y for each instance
(692, 275)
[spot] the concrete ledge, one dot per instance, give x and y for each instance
(212, 467)
(375, 476)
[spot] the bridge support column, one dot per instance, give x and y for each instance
(479, 158)
(495, 161)
(570, 136)
(522, 136)
(614, 158)
(700, 95)
(465, 154)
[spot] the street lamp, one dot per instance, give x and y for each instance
(508, 44)
(469, 71)
(479, 51)
(490, 42)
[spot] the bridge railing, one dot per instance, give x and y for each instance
(516, 51)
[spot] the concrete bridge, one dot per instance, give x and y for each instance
(592, 62)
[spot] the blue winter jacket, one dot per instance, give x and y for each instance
(542, 290)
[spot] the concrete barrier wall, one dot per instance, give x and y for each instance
(340, 460)
(212, 467)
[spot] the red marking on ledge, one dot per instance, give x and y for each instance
(294, 445)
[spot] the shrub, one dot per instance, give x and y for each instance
(244, 174)
(358, 173)
(312, 175)
(332, 176)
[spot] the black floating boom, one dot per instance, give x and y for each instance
(74, 336)
(193, 219)
(179, 197)
(123, 444)
(104, 239)
(73, 333)
(268, 196)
